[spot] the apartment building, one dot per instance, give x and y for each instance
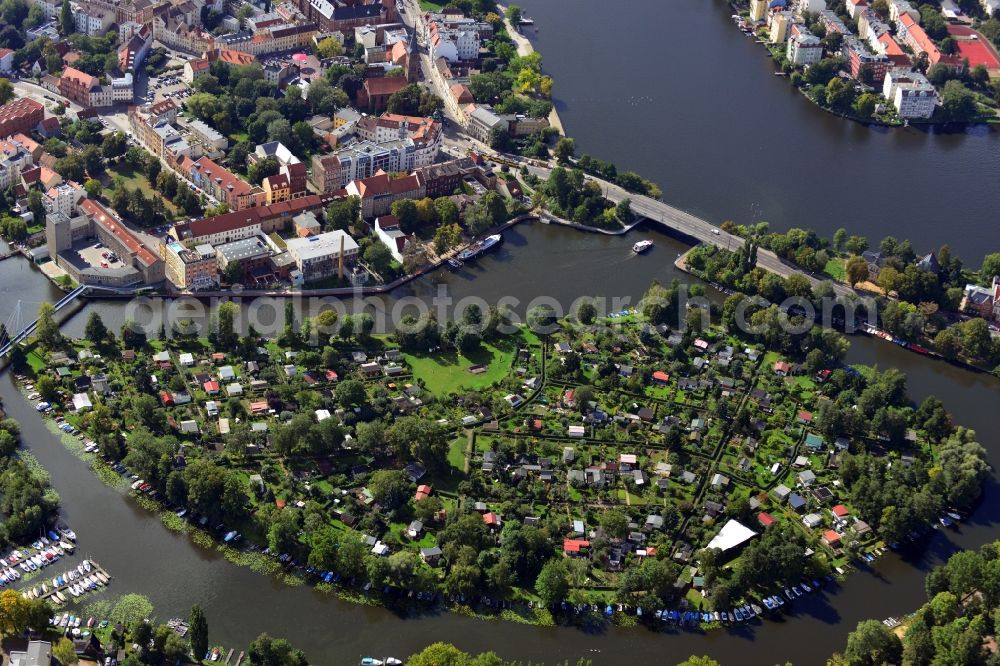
(21, 115)
(804, 48)
(910, 93)
(191, 268)
(424, 133)
(319, 256)
(219, 182)
(378, 192)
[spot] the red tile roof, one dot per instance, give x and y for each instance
(234, 57)
(919, 39)
(661, 376)
(840, 511)
(831, 537)
(765, 519)
(241, 218)
(102, 216)
(86, 81)
(385, 85)
(574, 545)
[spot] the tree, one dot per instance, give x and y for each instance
(47, 388)
(92, 160)
(343, 213)
(227, 333)
(351, 393)
(623, 211)
(47, 330)
(975, 337)
(699, 661)
(268, 651)
(865, 105)
(958, 102)
(67, 24)
(872, 644)
(65, 652)
(514, 15)
(857, 270)
(839, 94)
(378, 257)
(268, 166)
(95, 330)
(198, 628)
(447, 210)
(114, 145)
(6, 90)
(446, 237)
(552, 584)
(839, 239)
(93, 188)
(823, 71)
(989, 268)
(406, 101)
(405, 212)
(390, 488)
(329, 48)
(614, 523)
(130, 609)
(564, 150)
(587, 312)
(440, 654)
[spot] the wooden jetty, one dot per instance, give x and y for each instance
(95, 569)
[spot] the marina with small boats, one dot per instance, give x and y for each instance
(72, 584)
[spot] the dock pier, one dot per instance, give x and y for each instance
(95, 568)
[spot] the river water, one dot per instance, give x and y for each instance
(693, 106)
(673, 90)
(143, 556)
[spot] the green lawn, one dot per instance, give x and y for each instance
(446, 373)
(134, 180)
(835, 269)
(456, 453)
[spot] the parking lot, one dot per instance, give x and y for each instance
(168, 86)
(95, 254)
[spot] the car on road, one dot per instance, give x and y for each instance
(715, 231)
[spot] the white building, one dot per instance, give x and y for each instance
(424, 133)
(910, 93)
(319, 256)
(455, 38)
(991, 7)
(804, 48)
(121, 89)
(813, 6)
(387, 230)
(92, 19)
(63, 198)
(14, 158)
